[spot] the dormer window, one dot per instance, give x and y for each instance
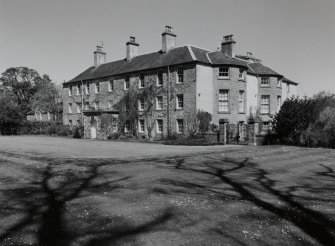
(265, 81)
(224, 72)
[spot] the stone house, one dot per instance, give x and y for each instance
(185, 79)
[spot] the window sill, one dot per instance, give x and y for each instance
(223, 78)
(179, 108)
(179, 83)
(241, 112)
(264, 113)
(242, 80)
(159, 85)
(223, 112)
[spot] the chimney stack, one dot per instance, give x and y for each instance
(168, 39)
(132, 48)
(99, 56)
(227, 45)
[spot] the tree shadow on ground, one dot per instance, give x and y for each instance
(40, 204)
(252, 183)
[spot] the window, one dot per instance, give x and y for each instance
(278, 102)
(70, 122)
(180, 126)
(111, 85)
(87, 106)
(159, 78)
(159, 103)
(240, 74)
(180, 101)
(70, 108)
(265, 126)
(265, 104)
(97, 87)
(141, 125)
(70, 90)
(78, 123)
(78, 108)
(224, 72)
(126, 127)
(159, 126)
(288, 88)
(141, 104)
(241, 101)
(278, 82)
(87, 88)
(223, 100)
(141, 81)
(265, 81)
(126, 83)
(180, 75)
(79, 89)
(96, 105)
(110, 103)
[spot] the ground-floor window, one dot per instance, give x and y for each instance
(265, 126)
(159, 126)
(141, 125)
(180, 126)
(126, 127)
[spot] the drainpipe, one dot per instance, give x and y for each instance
(168, 104)
(82, 102)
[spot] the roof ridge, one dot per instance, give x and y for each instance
(198, 47)
(191, 52)
(209, 58)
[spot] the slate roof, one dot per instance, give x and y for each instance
(218, 58)
(259, 69)
(289, 81)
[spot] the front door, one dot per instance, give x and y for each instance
(94, 130)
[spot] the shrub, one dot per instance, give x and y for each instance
(204, 119)
(78, 132)
(63, 130)
(113, 136)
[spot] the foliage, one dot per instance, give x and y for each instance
(47, 128)
(204, 119)
(106, 123)
(77, 132)
(22, 83)
(10, 115)
(306, 121)
(197, 122)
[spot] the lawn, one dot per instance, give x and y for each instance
(213, 195)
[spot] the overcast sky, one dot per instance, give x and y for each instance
(293, 37)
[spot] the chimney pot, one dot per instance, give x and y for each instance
(99, 55)
(131, 48)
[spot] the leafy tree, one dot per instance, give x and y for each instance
(10, 114)
(22, 82)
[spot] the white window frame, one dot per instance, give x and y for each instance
(265, 126)
(288, 88)
(180, 102)
(241, 74)
(265, 104)
(126, 127)
(178, 121)
(70, 90)
(87, 88)
(278, 103)
(110, 85)
(141, 104)
(224, 74)
(180, 75)
(87, 106)
(70, 108)
(78, 89)
(160, 78)
(241, 101)
(265, 81)
(109, 103)
(158, 125)
(279, 82)
(96, 105)
(126, 83)
(97, 87)
(140, 125)
(141, 81)
(223, 100)
(159, 105)
(78, 108)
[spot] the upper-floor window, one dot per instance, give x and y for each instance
(278, 82)
(180, 75)
(223, 100)
(126, 83)
(265, 81)
(141, 81)
(159, 126)
(111, 85)
(141, 104)
(141, 125)
(70, 122)
(278, 103)
(288, 88)
(180, 126)
(70, 90)
(180, 101)
(159, 103)
(110, 103)
(87, 88)
(97, 87)
(265, 104)
(159, 78)
(70, 108)
(79, 89)
(96, 105)
(241, 74)
(241, 101)
(78, 108)
(224, 72)
(87, 106)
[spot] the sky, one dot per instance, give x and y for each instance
(57, 37)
